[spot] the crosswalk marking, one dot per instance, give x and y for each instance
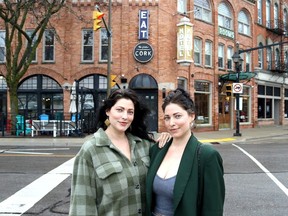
(268, 173)
(27, 197)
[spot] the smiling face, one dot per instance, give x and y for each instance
(121, 115)
(178, 120)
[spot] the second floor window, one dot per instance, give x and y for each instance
(87, 45)
(30, 32)
(221, 56)
(260, 56)
(269, 58)
(49, 43)
(208, 53)
(248, 61)
(2, 47)
(229, 58)
(197, 51)
(104, 45)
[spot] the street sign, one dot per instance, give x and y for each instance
(237, 88)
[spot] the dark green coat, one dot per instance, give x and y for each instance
(186, 184)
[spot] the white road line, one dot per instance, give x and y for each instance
(276, 181)
(27, 197)
(19, 152)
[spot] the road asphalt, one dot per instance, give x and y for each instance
(211, 137)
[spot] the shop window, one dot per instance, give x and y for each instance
(203, 102)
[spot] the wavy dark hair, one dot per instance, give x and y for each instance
(182, 98)
(138, 126)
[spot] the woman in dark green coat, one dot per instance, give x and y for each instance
(185, 178)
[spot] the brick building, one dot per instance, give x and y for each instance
(146, 51)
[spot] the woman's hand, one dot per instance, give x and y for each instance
(163, 139)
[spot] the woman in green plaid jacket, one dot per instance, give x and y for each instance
(109, 174)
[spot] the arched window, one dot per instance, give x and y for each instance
(243, 23)
(277, 59)
(260, 56)
(286, 60)
(269, 58)
(202, 10)
(224, 16)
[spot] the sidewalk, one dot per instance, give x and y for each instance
(227, 136)
(214, 137)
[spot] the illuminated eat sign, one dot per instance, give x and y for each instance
(143, 25)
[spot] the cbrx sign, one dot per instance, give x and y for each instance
(143, 52)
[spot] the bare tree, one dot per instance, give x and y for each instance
(20, 46)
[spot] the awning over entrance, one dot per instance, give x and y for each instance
(242, 76)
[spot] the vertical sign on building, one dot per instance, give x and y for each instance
(185, 42)
(143, 25)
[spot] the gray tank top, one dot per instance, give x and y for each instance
(163, 193)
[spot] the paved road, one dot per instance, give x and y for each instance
(256, 177)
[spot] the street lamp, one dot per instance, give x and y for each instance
(238, 63)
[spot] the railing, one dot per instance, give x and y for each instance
(59, 125)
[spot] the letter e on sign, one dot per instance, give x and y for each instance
(143, 31)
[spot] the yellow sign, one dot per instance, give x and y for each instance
(185, 41)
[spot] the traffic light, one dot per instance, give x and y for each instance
(228, 90)
(112, 80)
(97, 17)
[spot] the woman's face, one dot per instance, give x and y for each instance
(121, 114)
(177, 120)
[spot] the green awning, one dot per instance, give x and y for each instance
(242, 76)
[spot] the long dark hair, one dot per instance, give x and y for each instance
(138, 126)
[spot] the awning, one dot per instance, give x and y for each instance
(242, 76)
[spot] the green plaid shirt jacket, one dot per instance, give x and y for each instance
(105, 182)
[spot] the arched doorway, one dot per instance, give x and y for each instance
(147, 89)
(40, 94)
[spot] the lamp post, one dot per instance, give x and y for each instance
(238, 63)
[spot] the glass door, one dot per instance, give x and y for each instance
(224, 112)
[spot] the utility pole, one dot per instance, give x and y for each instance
(109, 36)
